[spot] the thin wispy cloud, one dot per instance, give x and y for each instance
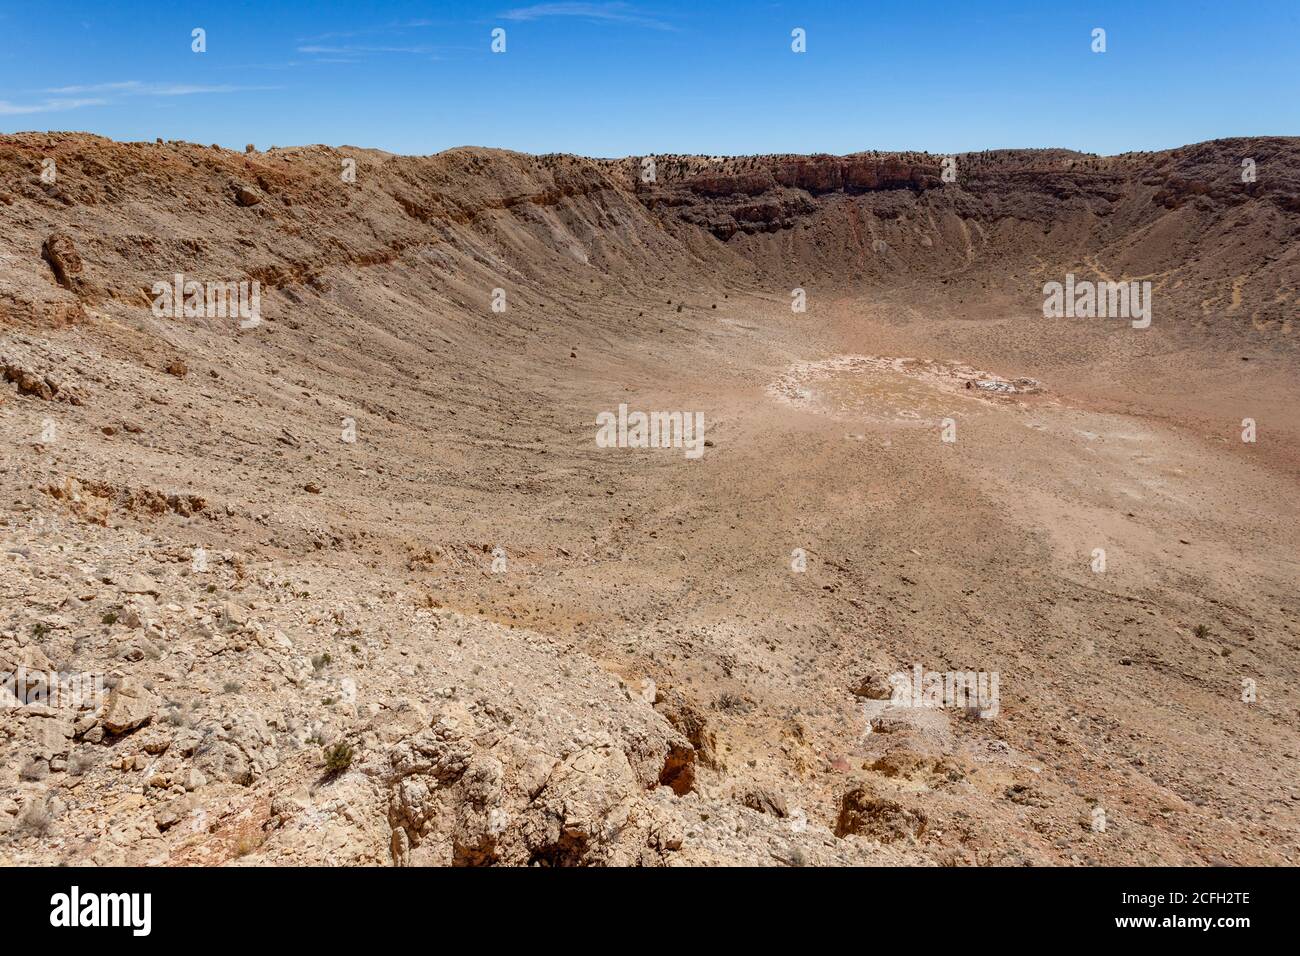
(97, 87)
(181, 89)
(395, 27)
(59, 99)
(136, 88)
(385, 39)
(593, 12)
(48, 106)
(363, 50)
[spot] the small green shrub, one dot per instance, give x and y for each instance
(338, 757)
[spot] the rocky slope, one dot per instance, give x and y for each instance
(363, 589)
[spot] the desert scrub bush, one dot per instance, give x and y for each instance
(247, 844)
(36, 820)
(1201, 631)
(40, 630)
(110, 618)
(338, 757)
(320, 661)
(730, 703)
(79, 764)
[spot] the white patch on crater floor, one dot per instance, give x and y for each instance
(900, 391)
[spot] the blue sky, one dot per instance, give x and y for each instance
(628, 78)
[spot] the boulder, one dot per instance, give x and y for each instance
(129, 707)
(864, 814)
(60, 252)
(246, 195)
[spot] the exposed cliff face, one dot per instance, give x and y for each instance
(767, 193)
(1185, 218)
(1032, 184)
